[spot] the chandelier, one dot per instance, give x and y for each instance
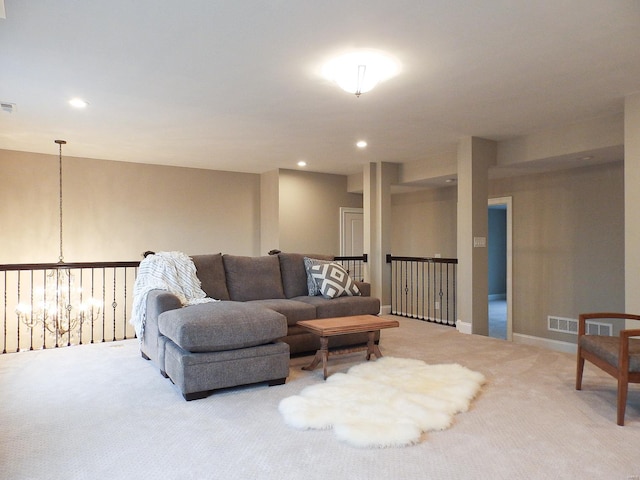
(58, 307)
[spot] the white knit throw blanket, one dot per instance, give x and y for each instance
(170, 271)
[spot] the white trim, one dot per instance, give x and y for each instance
(343, 212)
(385, 310)
(464, 327)
(547, 343)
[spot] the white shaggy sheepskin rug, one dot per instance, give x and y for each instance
(386, 403)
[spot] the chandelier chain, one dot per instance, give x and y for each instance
(60, 143)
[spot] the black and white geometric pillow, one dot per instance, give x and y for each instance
(333, 280)
(312, 287)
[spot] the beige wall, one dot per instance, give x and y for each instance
(568, 240)
(115, 211)
(309, 211)
(424, 223)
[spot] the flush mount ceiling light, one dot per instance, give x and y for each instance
(78, 103)
(359, 71)
(302, 163)
(361, 144)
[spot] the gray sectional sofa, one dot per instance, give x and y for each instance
(248, 336)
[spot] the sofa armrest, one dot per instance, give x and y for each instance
(364, 287)
(158, 301)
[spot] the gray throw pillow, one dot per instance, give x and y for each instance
(311, 283)
(333, 280)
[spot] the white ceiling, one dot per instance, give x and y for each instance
(234, 85)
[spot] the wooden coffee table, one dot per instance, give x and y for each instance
(330, 327)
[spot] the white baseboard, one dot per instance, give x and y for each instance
(548, 343)
(557, 345)
(463, 327)
(385, 310)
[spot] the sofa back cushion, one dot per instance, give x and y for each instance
(210, 272)
(253, 278)
(294, 273)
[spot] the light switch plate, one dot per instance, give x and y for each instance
(479, 242)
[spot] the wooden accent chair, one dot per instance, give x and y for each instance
(618, 356)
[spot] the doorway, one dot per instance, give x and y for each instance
(499, 282)
(351, 231)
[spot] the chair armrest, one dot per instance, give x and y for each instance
(630, 333)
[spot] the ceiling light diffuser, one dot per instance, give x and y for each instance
(78, 103)
(361, 144)
(361, 70)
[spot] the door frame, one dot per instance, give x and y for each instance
(343, 212)
(508, 202)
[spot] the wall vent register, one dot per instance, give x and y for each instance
(570, 325)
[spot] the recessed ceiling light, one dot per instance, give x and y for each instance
(78, 103)
(302, 163)
(361, 144)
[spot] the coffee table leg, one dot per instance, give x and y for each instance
(372, 348)
(324, 351)
(321, 355)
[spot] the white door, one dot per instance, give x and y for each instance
(351, 231)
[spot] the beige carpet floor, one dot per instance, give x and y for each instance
(100, 411)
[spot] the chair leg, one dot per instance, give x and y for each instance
(579, 371)
(622, 399)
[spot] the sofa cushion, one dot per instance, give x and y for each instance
(218, 326)
(253, 278)
(312, 286)
(333, 280)
(294, 272)
(342, 306)
(294, 311)
(210, 272)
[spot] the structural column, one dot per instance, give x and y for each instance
(631, 202)
(377, 181)
(475, 156)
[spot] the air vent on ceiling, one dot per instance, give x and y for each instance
(570, 325)
(7, 107)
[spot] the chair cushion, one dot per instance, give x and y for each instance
(294, 272)
(253, 278)
(294, 311)
(219, 326)
(342, 306)
(210, 272)
(608, 348)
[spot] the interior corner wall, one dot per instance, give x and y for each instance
(269, 211)
(114, 211)
(309, 210)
